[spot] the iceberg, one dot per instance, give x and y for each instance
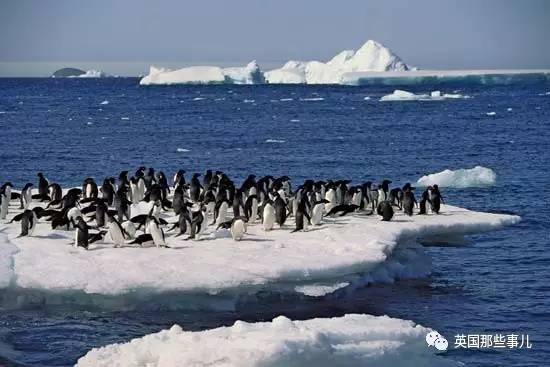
(249, 74)
(371, 57)
(78, 73)
(462, 178)
(355, 246)
(351, 340)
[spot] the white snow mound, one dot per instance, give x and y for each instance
(249, 74)
(351, 340)
(462, 178)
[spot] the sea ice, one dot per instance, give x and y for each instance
(351, 340)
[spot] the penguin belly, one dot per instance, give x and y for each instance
(269, 218)
(116, 235)
(156, 233)
(222, 214)
(317, 214)
(254, 214)
(4, 207)
(238, 230)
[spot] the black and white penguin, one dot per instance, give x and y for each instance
(156, 232)
(238, 228)
(26, 196)
(301, 212)
(108, 191)
(81, 233)
(408, 200)
(122, 204)
(342, 210)
(317, 211)
(280, 210)
(55, 192)
(182, 224)
(268, 215)
(198, 223)
(4, 205)
(89, 188)
(195, 188)
(42, 187)
(179, 178)
(220, 212)
(28, 219)
(423, 201)
(383, 191)
(116, 232)
(385, 210)
(251, 208)
(435, 199)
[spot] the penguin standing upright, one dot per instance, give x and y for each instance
(268, 216)
(385, 210)
(195, 188)
(116, 232)
(317, 212)
(251, 208)
(300, 214)
(153, 228)
(81, 233)
(408, 200)
(42, 187)
(26, 196)
(28, 221)
(280, 210)
(4, 205)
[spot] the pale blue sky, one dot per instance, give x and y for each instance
(128, 35)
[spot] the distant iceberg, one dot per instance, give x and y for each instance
(351, 340)
(78, 73)
(371, 57)
(462, 178)
(249, 74)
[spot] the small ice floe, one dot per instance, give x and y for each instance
(313, 99)
(249, 101)
(198, 98)
(104, 102)
(182, 150)
(295, 120)
(492, 113)
(461, 178)
(125, 118)
(367, 98)
(2, 112)
(89, 123)
(286, 99)
(219, 99)
(279, 141)
(509, 109)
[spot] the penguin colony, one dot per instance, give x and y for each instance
(189, 207)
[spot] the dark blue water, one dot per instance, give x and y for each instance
(496, 284)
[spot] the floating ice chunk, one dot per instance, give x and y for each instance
(125, 118)
(402, 95)
(319, 290)
(492, 113)
(275, 141)
(509, 109)
(367, 98)
(104, 102)
(249, 101)
(295, 120)
(286, 99)
(313, 99)
(351, 340)
(182, 150)
(199, 98)
(462, 178)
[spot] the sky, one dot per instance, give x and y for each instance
(125, 36)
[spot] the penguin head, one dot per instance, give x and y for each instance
(40, 174)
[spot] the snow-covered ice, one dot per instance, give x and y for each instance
(329, 253)
(473, 177)
(351, 340)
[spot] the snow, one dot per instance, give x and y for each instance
(402, 95)
(355, 244)
(462, 178)
(249, 74)
(351, 340)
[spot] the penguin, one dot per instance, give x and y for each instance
(280, 210)
(396, 196)
(220, 213)
(383, 191)
(156, 232)
(72, 216)
(149, 178)
(357, 197)
(197, 222)
(317, 211)
(108, 191)
(385, 210)
(4, 205)
(162, 181)
(330, 196)
(183, 219)
(122, 204)
(179, 178)
(42, 187)
(26, 196)
(28, 219)
(55, 192)
(207, 179)
(116, 232)
(195, 188)
(268, 216)
(408, 200)
(140, 189)
(423, 200)
(342, 210)
(300, 214)
(101, 211)
(237, 203)
(251, 208)
(129, 229)
(81, 233)
(89, 188)
(238, 228)
(435, 199)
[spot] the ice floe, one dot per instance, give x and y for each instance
(358, 244)
(351, 340)
(402, 95)
(182, 150)
(462, 178)
(275, 141)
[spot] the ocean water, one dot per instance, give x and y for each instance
(497, 283)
